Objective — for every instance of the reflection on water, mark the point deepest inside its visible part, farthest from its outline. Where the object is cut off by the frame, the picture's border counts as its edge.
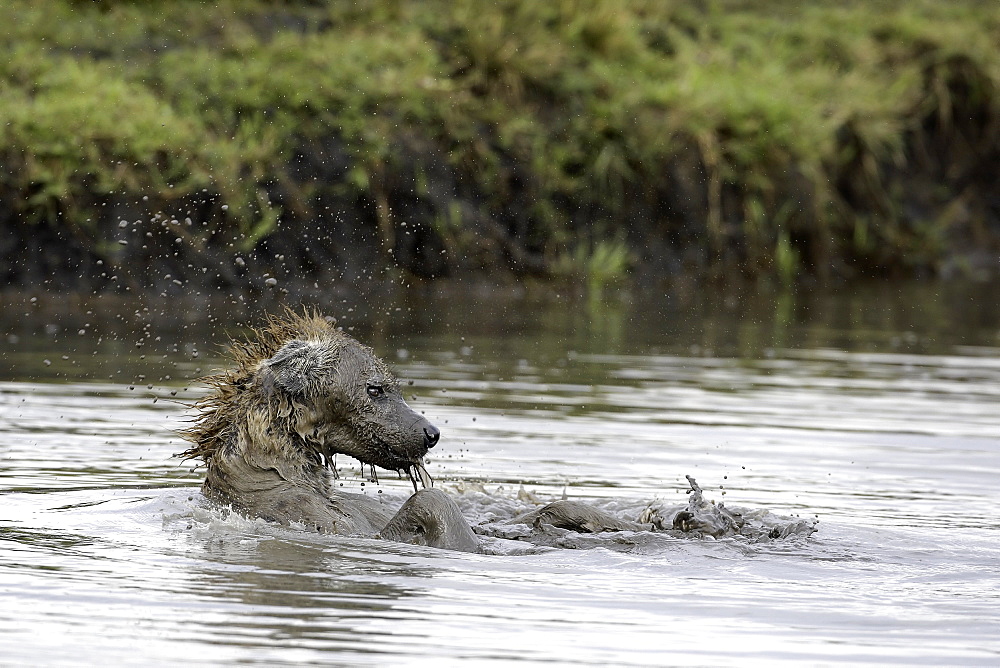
(875, 412)
(152, 339)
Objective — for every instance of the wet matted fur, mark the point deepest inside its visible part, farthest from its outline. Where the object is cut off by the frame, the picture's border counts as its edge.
(298, 393)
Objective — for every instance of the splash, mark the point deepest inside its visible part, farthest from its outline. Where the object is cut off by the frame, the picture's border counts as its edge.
(617, 524)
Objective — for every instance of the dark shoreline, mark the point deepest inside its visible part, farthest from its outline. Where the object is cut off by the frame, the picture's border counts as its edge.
(308, 145)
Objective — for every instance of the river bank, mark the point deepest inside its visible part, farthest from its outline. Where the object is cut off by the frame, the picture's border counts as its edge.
(252, 145)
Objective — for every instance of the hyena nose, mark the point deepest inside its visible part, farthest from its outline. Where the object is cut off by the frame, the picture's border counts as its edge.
(431, 435)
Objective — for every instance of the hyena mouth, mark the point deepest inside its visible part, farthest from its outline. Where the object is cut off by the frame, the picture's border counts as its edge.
(414, 468)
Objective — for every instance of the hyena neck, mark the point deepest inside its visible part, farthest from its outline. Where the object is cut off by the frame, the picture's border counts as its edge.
(293, 496)
(248, 473)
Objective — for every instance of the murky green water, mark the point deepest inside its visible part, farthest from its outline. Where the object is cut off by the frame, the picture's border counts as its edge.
(875, 410)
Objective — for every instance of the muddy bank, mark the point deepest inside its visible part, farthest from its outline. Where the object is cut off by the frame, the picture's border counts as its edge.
(293, 148)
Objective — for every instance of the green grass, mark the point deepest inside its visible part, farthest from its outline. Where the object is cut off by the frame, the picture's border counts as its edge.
(769, 136)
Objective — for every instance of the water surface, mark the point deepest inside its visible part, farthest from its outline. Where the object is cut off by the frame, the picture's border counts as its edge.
(874, 413)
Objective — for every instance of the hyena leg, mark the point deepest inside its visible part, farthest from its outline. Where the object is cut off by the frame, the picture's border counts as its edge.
(431, 517)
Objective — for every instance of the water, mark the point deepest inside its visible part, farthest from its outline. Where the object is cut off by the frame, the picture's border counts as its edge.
(875, 413)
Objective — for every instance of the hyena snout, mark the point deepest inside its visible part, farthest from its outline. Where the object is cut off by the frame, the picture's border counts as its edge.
(417, 434)
(431, 436)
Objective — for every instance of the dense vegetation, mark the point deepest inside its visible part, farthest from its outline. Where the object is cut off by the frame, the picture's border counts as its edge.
(177, 143)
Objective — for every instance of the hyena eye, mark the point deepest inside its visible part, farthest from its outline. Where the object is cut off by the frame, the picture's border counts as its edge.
(375, 391)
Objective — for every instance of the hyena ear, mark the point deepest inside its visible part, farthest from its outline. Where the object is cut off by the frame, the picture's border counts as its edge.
(294, 368)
